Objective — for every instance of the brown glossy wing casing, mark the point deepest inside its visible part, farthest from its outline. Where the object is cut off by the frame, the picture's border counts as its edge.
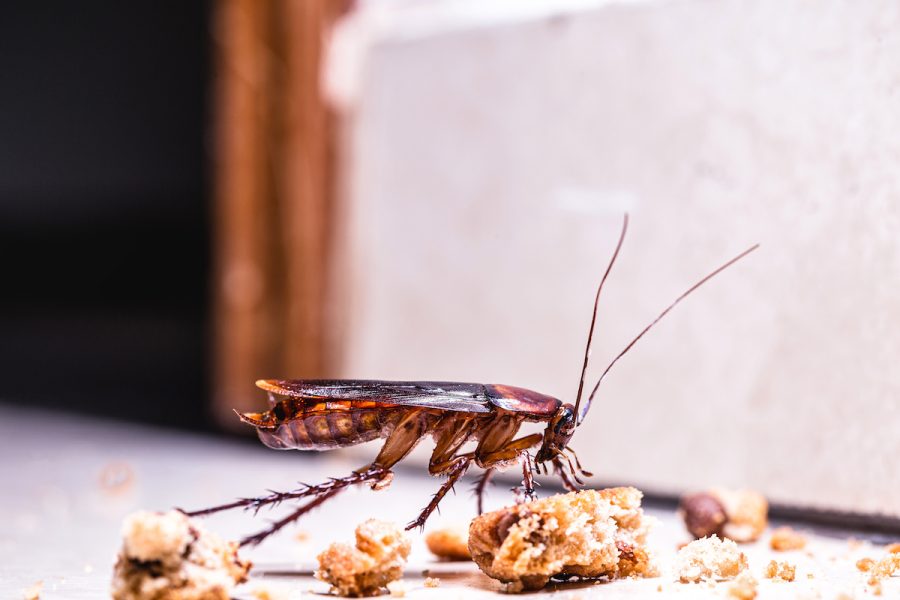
(444, 395)
(520, 400)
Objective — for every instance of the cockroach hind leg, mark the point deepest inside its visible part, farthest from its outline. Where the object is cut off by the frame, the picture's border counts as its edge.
(378, 474)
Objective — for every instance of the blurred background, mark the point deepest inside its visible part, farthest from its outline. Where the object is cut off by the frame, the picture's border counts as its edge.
(197, 195)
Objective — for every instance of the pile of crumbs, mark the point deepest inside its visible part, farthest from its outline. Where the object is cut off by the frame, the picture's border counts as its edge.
(374, 564)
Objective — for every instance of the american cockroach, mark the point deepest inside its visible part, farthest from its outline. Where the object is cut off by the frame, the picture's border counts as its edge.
(325, 414)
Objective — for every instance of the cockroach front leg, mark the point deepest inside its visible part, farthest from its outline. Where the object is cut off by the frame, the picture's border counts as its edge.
(528, 477)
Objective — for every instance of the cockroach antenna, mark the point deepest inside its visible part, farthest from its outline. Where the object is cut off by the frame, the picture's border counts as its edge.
(587, 349)
(684, 295)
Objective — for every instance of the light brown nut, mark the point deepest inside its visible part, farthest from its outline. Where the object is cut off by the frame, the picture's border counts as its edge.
(449, 543)
(785, 538)
(587, 534)
(168, 555)
(703, 514)
(739, 515)
(366, 570)
(709, 559)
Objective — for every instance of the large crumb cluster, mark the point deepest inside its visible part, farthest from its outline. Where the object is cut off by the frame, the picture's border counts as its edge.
(366, 570)
(449, 543)
(167, 556)
(888, 566)
(785, 538)
(589, 533)
(710, 559)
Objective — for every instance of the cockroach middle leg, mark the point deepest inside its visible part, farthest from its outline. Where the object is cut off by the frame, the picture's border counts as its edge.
(481, 486)
(453, 474)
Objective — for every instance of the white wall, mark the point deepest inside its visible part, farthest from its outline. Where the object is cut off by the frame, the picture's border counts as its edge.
(487, 162)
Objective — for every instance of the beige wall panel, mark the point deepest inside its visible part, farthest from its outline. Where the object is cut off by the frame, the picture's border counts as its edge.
(487, 163)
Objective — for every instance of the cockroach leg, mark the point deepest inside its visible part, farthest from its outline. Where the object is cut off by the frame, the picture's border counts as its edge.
(578, 463)
(528, 477)
(453, 474)
(560, 468)
(481, 486)
(375, 474)
(256, 538)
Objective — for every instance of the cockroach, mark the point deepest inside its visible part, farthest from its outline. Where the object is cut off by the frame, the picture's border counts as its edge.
(320, 414)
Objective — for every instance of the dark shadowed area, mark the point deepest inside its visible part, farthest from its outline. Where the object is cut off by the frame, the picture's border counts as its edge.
(103, 208)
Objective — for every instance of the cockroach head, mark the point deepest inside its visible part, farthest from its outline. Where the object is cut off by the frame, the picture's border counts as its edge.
(557, 434)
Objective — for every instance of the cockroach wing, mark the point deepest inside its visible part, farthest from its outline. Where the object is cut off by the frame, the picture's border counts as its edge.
(443, 395)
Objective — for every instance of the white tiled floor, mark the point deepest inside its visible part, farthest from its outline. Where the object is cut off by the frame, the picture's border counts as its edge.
(61, 526)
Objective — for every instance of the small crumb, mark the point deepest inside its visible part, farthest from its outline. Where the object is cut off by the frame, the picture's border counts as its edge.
(659, 588)
(785, 538)
(265, 593)
(893, 548)
(432, 582)
(376, 561)
(301, 536)
(710, 559)
(844, 596)
(449, 543)
(865, 564)
(854, 543)
(876, 588)
(34, 592)
(810, 576)
(744, 587)
(884, 568)
(397, 589)
(780, 571)
(116, 478)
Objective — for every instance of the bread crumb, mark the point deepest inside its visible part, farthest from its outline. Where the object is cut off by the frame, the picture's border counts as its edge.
(376, 561)
(116, 478)
(432, 582)
(34, 591)
(659, 588)
(591, 533)
(785, 538)
(893, 548)
(449, 543)
(782, 571)
(709, 559)
(884, 568)
(168, 555)
(265, 593)
(397, 589)
(302, 536)
(844, 596)
(865, 564)
(744, 586)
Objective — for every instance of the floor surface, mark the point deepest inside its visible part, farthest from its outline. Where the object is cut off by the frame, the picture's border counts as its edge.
(68, 481)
